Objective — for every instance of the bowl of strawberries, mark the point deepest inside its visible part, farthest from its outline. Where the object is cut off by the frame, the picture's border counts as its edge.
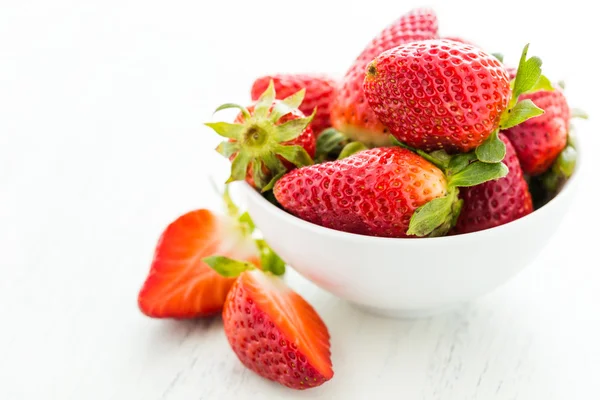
(429, 175)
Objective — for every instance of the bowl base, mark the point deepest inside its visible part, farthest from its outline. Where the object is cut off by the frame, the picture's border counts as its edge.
(406, 313)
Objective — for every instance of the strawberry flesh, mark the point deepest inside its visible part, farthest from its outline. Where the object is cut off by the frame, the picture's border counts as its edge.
(276, 333)
(180, 284)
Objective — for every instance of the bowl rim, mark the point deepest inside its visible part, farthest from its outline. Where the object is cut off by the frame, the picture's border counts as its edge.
(321, 230)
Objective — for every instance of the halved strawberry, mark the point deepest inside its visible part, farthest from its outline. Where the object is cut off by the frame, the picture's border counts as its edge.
(180, 284)
(273, 330)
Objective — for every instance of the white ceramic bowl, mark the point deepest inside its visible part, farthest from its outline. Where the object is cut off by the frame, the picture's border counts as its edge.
(408, 277)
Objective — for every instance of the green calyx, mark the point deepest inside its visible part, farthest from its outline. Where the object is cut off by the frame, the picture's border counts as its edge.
(228, 267)
(529, 79)
(270, 262)
(330, 144)
(258, 142)
(438, 216)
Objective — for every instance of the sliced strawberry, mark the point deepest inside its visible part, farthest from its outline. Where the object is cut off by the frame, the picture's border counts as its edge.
(180, 284)
(276, 333)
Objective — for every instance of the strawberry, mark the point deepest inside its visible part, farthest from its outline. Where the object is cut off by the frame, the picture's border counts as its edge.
(350, 112)
(438, 94)
(319, 94)
(273, 330)
(539, 141)
(496, 202)
(267, 139)
(389, 192)
(180, 284)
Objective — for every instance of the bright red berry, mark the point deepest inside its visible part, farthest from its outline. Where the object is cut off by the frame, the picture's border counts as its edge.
(276, 333)
(539, 140)
(319, 94)
(180, 284)
(374, 192)
(497, 202)
(350, 112)
(438, 94)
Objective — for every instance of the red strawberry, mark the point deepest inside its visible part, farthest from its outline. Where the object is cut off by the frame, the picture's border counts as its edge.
(381, 192)
(350, 112)
(180, 284)
(538, 141)
(319, 94)
(265, 136)
(276, 333)
(498, 202)
(438, 94)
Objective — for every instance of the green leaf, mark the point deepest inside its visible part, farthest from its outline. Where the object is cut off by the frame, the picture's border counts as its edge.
(351, 148)
(239, 167)
(579, 113)
(499, 56)
(460, 161)
(269, 260)
(565, 163)
(435, 214)
(439, 157)
(228, 267)
(247, 220)
(287, 105)
(477, 173)
(520, 113)
(260, 179)
(528, 73)
(226, 106)
(492, 150)
(265, 101)
(227, 148)
(395, 142)
(232, 209)
(542, 84)
(292, 128)
(272, 182)
(273, 163)
(562, 84)
(225, 129)
(329, 145)
(294, 154)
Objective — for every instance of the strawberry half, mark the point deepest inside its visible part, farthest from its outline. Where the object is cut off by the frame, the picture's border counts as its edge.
(180, 284)
(273, 330)
(267, 139)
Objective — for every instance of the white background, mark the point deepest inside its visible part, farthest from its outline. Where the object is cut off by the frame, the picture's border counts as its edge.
(102, 144)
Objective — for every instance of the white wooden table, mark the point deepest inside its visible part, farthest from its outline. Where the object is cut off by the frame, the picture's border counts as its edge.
(101, 145)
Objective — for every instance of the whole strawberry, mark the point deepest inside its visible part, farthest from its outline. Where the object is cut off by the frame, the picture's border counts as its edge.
(267, 139)
(389, 192)
(319, 94)
(538, 141)
(350, 112)
(497, 202)
(438, 94)
(272, 330)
